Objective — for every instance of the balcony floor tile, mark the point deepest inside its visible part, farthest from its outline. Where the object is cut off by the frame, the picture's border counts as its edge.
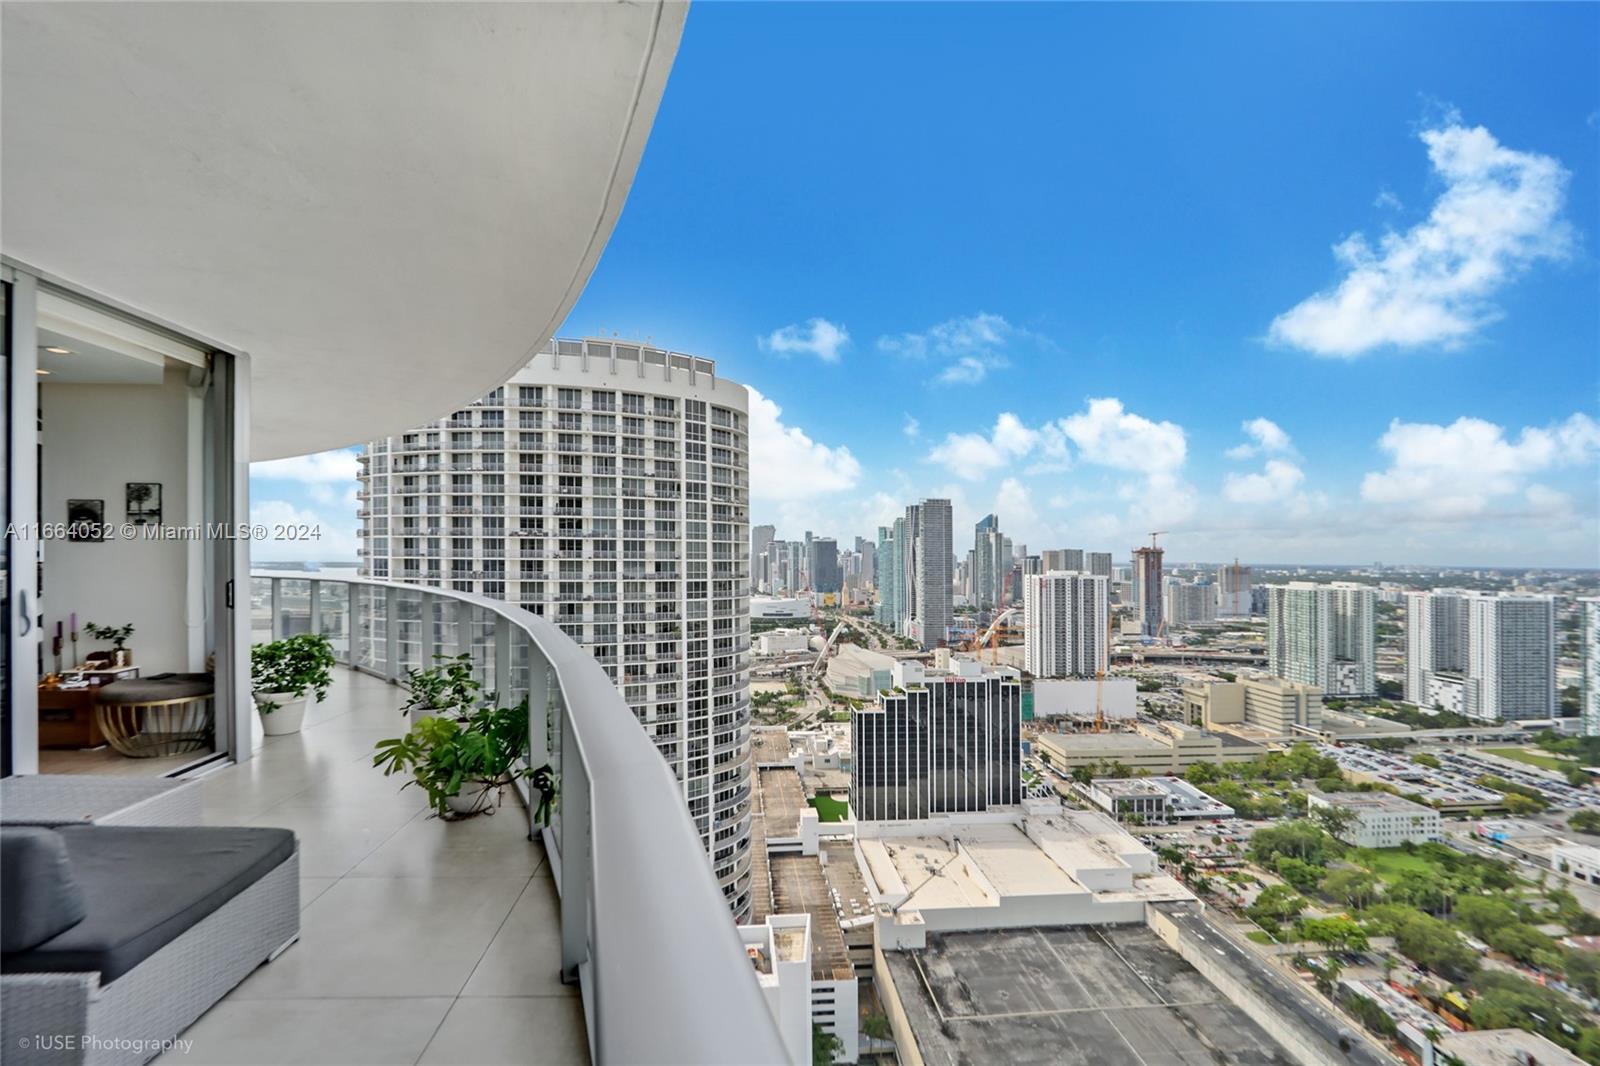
(312, 1031)
(403, 916)
(544, 1031)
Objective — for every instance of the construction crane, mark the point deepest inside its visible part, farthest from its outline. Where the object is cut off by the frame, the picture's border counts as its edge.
(1158, 533)
(1100, 677)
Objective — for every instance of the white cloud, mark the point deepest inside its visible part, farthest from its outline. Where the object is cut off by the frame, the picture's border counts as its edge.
(332, 538)
(1459, 471)
(317, 468)
(1266, 438)
(969, 347)
(973, 456)
(1108, 435)
(1277, 483)
(911, 427)
(786, 464)
(1434, 283)
(1387, 200)
(817, 337)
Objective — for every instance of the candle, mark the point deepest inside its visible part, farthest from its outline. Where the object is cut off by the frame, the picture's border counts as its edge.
(58, 630)
(74, 625)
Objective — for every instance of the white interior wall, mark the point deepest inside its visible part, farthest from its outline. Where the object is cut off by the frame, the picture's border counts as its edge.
(97, 438)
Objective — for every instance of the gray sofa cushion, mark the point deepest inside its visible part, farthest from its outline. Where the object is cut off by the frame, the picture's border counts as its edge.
(144, 886)
(155, 689)
(38, 893)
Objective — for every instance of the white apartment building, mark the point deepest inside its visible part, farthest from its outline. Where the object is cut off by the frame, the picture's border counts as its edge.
(1381, 820)
(1511, 657)
(1590, 722)
(605, 487)
(1485, 656)
(1323, 635)
(1436, 640)
(1064, 619)
(1189, 602)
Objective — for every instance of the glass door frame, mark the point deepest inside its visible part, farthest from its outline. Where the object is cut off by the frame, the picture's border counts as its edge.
(225, 566)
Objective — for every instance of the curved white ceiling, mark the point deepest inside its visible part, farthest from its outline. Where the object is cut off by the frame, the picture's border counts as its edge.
(389, 206)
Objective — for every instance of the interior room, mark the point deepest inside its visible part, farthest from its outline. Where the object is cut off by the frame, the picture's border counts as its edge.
(126, 677)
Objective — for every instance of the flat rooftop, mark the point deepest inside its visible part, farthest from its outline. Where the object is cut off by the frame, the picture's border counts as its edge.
(783, 797)
(1084, 996)
(800, 887)
(1371, 801)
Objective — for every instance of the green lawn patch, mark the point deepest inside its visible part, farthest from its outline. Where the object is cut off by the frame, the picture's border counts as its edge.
(830, 809)
(1532, 758)
(1256, 936)
(1390, 863)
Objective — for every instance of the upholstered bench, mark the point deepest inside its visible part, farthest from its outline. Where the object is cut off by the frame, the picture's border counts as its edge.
(166, 714)
(116, 938)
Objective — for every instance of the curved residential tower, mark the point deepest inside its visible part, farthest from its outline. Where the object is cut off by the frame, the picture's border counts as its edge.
(606, 487)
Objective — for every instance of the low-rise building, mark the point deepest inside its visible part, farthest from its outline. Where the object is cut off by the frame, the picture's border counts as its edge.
(1579, 862)
(1153, 747)
(801, 987)
(773, 607)
(1503, 1047)
(1272, 704)
(783, 642)
(1044, 865)
(1116, 697)
(1154, 800)
(859, 672)
(1381, 819)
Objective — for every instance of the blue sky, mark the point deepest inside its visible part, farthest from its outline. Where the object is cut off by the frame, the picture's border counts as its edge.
(1295, 282)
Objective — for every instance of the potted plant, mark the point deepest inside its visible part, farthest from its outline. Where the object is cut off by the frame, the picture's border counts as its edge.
(447, 689)
(283, 672)
(461, 762)
(118, 636)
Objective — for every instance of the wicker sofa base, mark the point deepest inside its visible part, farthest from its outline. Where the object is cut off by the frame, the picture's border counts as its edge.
(68, 1019)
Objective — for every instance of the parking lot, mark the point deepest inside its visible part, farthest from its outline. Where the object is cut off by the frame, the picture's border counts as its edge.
(1077, 996)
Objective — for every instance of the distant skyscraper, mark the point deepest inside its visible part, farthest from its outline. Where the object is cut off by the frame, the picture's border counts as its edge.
(1511, 657)
(991, 564)
(1069, 559)
(888, 611)
(941, 743)
(1100, 564)
(928, 563)
(1590, 708)
(1485, 656)
(1436, 640)
(1065, 614)
(1323, 635)
(1147, 589)
(1189, 602)
(826, 574)
(760, 538)
(1233, 591)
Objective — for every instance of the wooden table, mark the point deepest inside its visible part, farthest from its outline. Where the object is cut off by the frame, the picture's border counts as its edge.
(66, 715)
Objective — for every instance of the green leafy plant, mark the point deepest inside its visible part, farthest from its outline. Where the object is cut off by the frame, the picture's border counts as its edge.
(117, 635)
(448, 688)
(295, 665)
(443, 755)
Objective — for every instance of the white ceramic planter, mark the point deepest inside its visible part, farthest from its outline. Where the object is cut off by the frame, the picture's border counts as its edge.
(286, 717)
(418, 714)
(472, 798)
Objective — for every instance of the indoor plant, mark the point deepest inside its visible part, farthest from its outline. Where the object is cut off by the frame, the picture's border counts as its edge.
(118, 636)
(447, 689)
(462, 761)
(283, 672)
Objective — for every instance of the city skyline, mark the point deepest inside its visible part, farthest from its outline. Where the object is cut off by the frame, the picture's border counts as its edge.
(1066, 352)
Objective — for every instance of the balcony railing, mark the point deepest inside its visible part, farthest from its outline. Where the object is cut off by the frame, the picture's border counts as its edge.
(645, 929)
